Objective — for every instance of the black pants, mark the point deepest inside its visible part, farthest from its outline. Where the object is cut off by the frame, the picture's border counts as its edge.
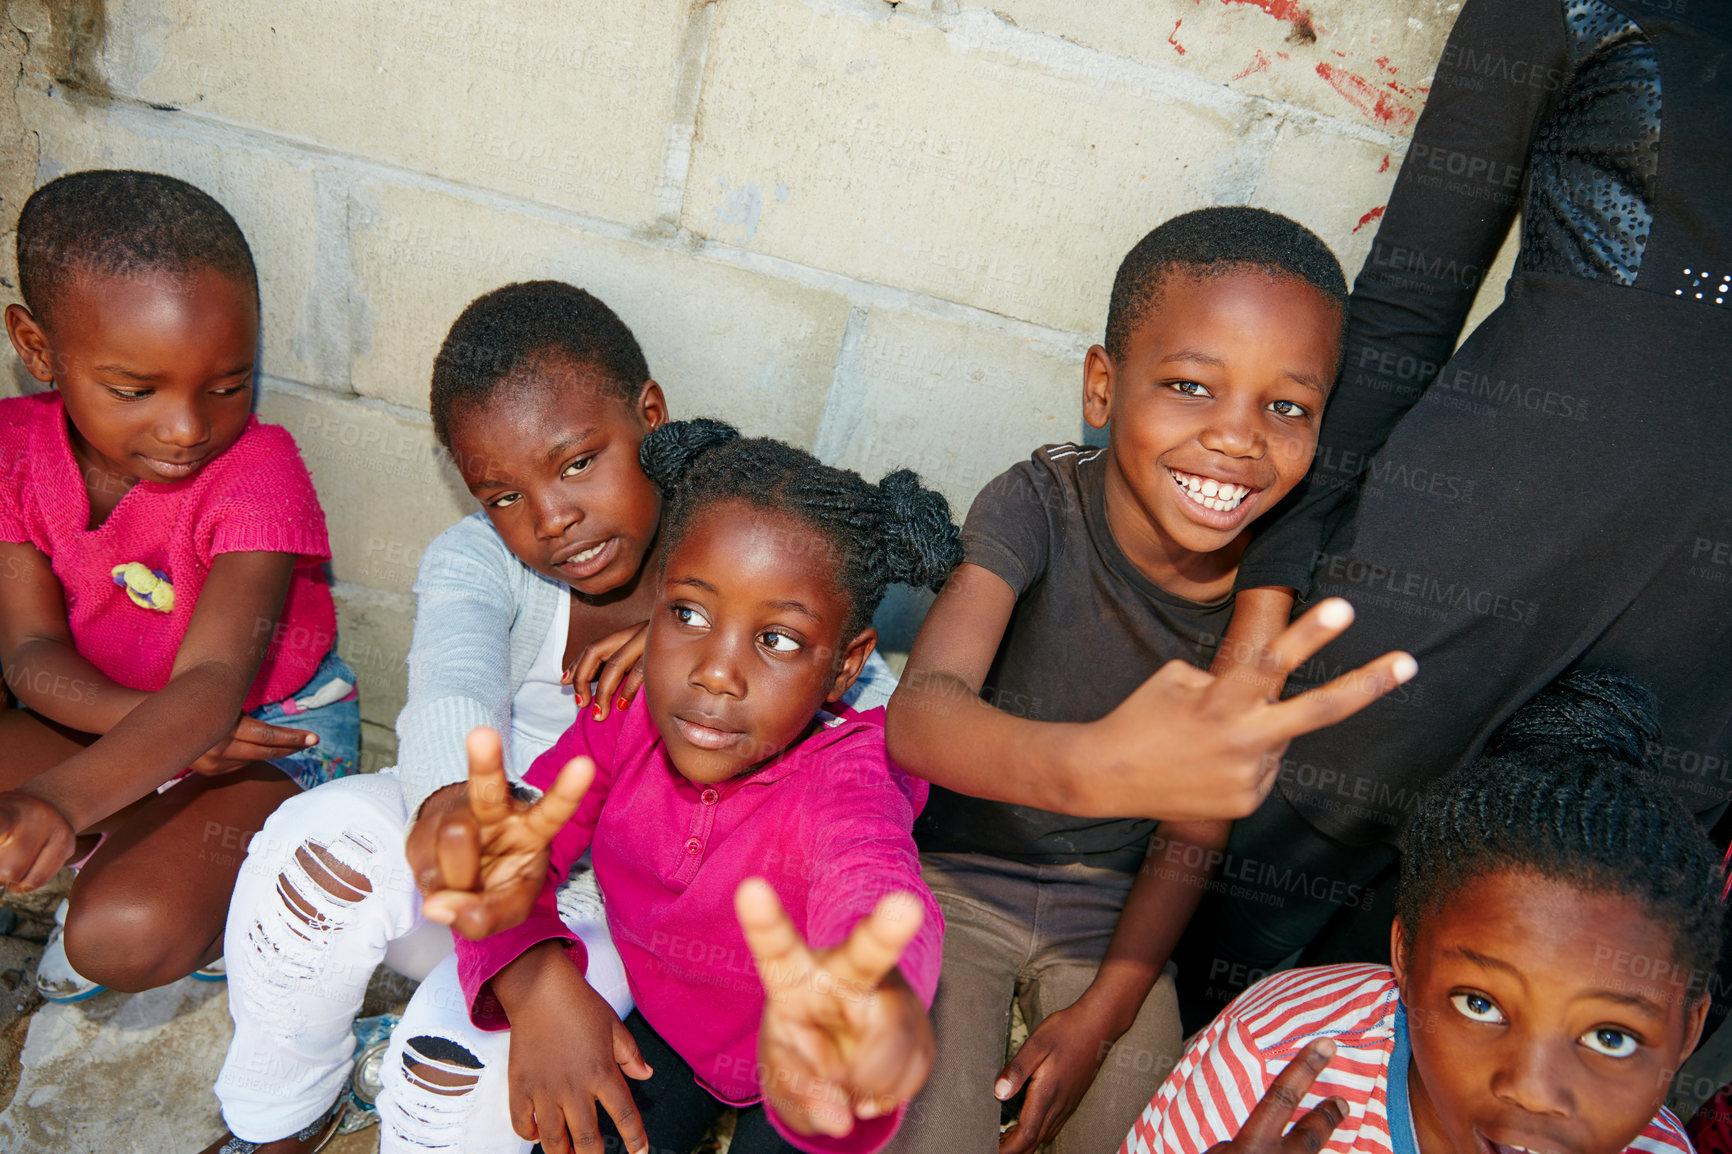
(677, 1112)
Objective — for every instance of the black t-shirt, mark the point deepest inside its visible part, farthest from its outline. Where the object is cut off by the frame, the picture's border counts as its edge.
(1088, 628)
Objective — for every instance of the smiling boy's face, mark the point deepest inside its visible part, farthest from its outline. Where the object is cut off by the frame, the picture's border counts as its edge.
(552, 457)
(1214, 411)
(746, 640)
(1542, 1017)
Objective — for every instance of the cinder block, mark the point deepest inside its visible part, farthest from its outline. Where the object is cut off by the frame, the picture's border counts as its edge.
(565, 103)
(890, 151)
(722, 341)
(373, 634)
(956, 404)
(386, 487)
(272, 196)
(1367, 63)
(1334, 185)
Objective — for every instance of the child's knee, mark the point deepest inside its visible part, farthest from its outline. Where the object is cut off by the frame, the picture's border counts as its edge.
(430, 1095)
(127, 944)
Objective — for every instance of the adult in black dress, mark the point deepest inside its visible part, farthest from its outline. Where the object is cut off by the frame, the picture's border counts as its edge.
(1559, 493)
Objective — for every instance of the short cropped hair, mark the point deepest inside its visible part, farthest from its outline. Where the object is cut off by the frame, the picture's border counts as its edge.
(120, 223)
(1211, 241)
(505, 329)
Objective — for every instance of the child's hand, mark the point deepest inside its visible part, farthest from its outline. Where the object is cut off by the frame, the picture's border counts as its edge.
(491, 854)
(1233, 735)
(35, 841)
(568, 1050)
(843, 1036)
(252, 740)
(615, 664)
(1058, 1063)
(1261, 1133)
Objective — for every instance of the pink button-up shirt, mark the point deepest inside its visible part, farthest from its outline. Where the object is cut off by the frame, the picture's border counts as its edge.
(827, 824)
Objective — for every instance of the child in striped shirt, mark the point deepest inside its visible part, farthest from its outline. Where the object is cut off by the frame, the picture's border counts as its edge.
(1557, 919)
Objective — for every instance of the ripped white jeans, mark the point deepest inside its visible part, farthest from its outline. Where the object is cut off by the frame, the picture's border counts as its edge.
(324, 897)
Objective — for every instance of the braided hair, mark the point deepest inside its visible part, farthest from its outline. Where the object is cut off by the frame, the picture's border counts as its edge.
(895, 531)
(1209, 242)
(1566, 790)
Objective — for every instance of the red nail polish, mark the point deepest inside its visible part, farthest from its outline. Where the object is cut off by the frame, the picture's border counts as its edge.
(620, 704)
(597, 713)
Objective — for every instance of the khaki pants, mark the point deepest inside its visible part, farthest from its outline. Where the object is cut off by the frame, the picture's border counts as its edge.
(1034, 934)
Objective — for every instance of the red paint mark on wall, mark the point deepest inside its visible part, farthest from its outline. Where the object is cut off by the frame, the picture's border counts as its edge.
(1374, 214)
(1259, 63)
(1289, 12)
(1374, 102)
(1383, 63)
(1384, 167)
(1173, 38)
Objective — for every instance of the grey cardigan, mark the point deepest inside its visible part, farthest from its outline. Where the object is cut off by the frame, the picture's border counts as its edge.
(481, 616)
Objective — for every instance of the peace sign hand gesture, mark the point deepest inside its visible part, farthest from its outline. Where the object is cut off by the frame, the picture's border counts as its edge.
(1231, 732)
(843, 1035)
(491, 853)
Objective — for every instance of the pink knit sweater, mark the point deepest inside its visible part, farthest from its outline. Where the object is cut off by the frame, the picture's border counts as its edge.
(827, 824)
(255, 497)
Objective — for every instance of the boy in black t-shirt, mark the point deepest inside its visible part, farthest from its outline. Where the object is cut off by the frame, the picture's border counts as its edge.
(1087, 570)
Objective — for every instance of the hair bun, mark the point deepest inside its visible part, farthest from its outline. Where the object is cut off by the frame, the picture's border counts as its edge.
(921, 542)
(1587, 709)
(669, 452)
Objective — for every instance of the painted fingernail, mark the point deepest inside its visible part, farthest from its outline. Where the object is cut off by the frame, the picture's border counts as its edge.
(312, 739)
(620, 704)
(1405, 668)
(596, 713)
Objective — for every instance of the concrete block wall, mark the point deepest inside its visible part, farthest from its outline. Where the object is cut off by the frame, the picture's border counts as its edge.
(885, 232)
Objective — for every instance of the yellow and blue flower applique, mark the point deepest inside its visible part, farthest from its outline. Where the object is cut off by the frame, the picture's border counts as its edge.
(148, 588)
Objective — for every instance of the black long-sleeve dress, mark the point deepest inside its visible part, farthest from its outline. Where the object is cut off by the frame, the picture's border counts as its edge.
(1560, 491)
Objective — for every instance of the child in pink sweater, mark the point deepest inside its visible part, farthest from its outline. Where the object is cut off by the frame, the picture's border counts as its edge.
(730, 769)
(164, 612)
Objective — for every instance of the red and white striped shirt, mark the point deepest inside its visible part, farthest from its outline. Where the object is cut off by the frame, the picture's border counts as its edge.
(1227, 1068)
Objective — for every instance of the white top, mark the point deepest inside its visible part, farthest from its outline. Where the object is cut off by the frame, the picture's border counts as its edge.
(542, 708)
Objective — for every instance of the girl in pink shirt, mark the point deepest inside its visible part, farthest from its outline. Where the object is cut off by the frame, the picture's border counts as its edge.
(735, 765)
(164, 603)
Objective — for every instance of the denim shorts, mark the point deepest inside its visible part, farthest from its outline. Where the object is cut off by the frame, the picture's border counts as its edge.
(325, 707)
